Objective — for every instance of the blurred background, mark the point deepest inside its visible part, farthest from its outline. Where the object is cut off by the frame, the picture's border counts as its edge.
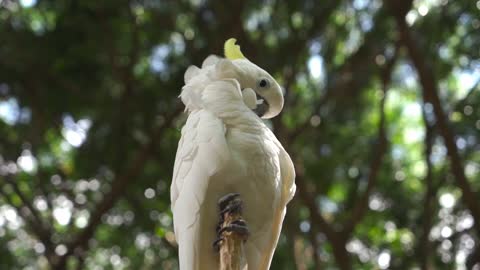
(382, 120)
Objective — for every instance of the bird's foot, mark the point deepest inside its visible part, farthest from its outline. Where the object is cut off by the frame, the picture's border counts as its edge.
(238, 227)
(231, 221)
(229, 202)
(217, 243)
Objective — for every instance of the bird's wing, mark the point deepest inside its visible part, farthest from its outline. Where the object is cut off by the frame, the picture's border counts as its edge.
(201, 152)
(287, 171)
(287, 174)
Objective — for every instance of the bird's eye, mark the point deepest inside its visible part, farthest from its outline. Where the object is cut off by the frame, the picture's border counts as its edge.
(263, 83)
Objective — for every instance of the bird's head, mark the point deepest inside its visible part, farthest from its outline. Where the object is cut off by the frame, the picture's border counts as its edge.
(268, 96)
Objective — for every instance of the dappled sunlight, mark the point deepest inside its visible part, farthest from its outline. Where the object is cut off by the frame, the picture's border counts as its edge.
(62, 210)
(466, 80)
(447, 200)
(381, 118)
(305, 226)
(383, 260)
(40, 203)
(75, 133)
(27, 162)
(28, 3)
(315, 66)
(159, 55)
(328, 206)
(9, 111)
(9, 218)
(377, 203)
(149, 193)
(81, 218)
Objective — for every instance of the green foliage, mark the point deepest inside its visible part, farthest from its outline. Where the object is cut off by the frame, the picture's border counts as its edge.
(90, 119)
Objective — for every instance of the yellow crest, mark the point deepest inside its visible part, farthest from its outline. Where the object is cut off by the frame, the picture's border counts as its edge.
(232, 51)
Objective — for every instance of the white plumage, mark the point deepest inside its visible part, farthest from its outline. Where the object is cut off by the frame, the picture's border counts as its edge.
(225, 147)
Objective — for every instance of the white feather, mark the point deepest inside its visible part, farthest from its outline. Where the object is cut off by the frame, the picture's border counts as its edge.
(191, 72)
(201, 153)
(210, 60)
(249, 98)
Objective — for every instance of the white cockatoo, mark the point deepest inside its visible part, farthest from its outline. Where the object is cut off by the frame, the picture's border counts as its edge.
(226, 148)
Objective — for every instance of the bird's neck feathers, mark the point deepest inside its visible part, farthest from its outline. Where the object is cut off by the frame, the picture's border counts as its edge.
(224, 99)
(215, 87)
(197, 80)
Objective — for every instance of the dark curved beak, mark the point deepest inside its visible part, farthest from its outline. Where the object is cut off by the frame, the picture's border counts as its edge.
(262, 106)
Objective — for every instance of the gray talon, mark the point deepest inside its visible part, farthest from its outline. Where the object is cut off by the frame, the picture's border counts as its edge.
(232, 204)
(232, 207)
(239, 222)
(240, 229)
(216, 244)
(225, 200)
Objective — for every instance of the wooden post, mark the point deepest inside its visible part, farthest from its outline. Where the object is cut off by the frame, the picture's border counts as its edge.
(232, 254)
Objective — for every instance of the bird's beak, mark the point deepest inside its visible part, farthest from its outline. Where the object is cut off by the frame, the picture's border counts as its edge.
(262, 106)
(274, 102)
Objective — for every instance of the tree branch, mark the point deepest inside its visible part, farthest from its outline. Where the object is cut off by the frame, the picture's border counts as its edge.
(33, 225)
(470, 92)
(316, 248)
(430, 95)
(119, 184)
(349, 78)
(309, 201)
(362, 203)
(335, 238)
(28, 204)
(299, 253)
(424, 246)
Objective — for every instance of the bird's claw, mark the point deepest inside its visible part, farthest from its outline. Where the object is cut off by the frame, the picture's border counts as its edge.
(238, 226)
(216, 243)
(230, 204)
(224, 201)
(233, 207)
